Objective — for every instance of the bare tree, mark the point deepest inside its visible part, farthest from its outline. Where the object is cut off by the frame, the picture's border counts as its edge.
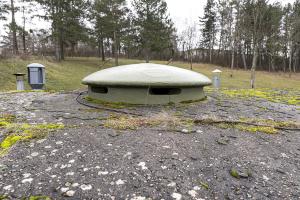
(190, 39)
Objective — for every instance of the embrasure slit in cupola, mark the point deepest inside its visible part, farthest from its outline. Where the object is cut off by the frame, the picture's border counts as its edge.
(165, 91)
(102, 90)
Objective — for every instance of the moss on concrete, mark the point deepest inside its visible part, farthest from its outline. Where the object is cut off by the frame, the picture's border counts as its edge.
(107, 104)
(164, 119)
(38, 198)
(18, 132)
(289, 97)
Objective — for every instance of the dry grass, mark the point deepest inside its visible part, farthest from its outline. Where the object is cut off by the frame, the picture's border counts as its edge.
(124, 122)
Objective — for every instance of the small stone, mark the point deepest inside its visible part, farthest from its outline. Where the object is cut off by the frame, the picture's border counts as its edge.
(196, 188)
(41, 141)
(48, 169)
(70, 174)
(59, 142)
(185, 131)
(86, 187)
(192, 193)
(26, 175)
(28, 180)
(138, 198)
(71, 161)
(177, 196)
(128, 154)
(199, 131)
(265, 178)
(68, 184)
(102, 173)
(172, 184)
(34, 154)
(283, 155)
(8, 187)
(64, 189)
(143, 165)
(85, 169)
(75, 185)
(69, 193)
(120, 182)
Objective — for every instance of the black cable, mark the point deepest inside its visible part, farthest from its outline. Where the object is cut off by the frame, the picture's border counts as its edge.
(101, 107)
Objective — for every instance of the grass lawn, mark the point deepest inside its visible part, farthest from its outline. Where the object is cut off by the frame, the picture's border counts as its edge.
(67, 75)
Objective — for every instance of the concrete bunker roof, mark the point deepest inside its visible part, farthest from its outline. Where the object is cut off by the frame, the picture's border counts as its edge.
(146, 74)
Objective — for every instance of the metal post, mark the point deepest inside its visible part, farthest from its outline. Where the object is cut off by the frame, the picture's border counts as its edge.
(217, 78)
(20, 81)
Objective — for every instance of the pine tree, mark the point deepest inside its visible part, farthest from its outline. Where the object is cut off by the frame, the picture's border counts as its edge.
(209, 27)
(13, 27)
(109, 18)
(65, 17)
(3, 9)
(154, 26)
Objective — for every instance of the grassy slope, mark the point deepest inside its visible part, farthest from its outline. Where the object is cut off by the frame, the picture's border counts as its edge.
(68, 74)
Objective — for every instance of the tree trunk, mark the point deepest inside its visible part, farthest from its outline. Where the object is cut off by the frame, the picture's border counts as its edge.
(253, 68)
(244, 57)
(116, 49)
(232, 62)
(102, 49)
(191, 59)
(61, 45)
(23, 31)
(14, 28)
(291, 59)
(296, 59)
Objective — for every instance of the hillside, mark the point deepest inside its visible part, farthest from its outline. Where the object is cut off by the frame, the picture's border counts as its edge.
(67, 75)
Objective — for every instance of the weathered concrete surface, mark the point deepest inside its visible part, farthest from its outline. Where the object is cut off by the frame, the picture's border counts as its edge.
(88, 161)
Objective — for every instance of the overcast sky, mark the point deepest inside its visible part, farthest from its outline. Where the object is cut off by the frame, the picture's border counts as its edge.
(183, 12)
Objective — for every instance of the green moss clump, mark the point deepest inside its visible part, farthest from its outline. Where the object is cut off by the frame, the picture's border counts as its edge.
(4, 124)
(23, 132)
(107, 104)
(289, 97)
(10, 141)
(254, 129)
(4, 197)
(6, 120)
(204, 185)
(37, 198)
(234, 173)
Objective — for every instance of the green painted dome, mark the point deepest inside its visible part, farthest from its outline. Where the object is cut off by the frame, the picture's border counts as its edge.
(146, 74)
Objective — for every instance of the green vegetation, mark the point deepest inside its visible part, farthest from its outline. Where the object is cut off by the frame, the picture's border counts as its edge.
(16, 132)
(3, 197)
(251, 125)
(234, 173)
(204, 185)
(38, 198)
(290, 97)
(108, 104)
(125, 122)
(67, 75)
